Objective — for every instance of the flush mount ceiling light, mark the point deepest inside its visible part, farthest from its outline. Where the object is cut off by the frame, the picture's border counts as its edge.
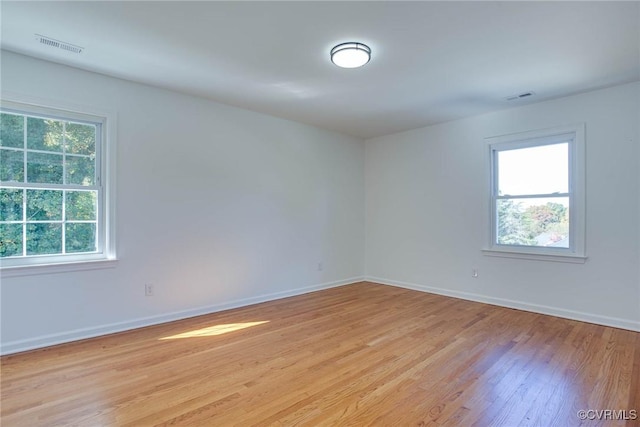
(350, 55)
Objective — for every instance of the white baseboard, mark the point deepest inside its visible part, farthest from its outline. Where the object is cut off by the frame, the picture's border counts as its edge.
(615, 322)
(84, 333)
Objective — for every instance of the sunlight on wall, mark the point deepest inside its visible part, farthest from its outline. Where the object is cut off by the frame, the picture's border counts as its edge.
(215, 330)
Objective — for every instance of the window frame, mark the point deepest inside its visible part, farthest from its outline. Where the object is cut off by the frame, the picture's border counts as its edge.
(105, 256)
(575, 136)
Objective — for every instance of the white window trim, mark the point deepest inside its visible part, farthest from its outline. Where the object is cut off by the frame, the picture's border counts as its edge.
(107, 158)
(576, 253)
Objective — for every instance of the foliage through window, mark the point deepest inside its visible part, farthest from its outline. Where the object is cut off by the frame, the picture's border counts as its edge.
(532, 203)
(537, 193)
(51, 198)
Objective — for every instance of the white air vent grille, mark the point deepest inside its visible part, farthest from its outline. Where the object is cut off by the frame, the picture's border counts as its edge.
(520, 96)
(48, 41)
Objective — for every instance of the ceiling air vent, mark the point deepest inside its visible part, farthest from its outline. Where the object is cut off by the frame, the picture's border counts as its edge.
(48, 41)
(520, 96)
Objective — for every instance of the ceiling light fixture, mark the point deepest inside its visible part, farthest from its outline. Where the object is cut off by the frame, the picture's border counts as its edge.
(350, 55)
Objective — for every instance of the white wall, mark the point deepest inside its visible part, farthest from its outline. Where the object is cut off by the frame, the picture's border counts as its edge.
(220, 207)
(216, 206)
(425, 223)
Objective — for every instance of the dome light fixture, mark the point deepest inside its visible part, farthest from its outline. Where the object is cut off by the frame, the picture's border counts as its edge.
(350, 55)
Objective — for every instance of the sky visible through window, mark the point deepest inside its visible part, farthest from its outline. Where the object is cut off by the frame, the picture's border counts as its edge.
(536, 170)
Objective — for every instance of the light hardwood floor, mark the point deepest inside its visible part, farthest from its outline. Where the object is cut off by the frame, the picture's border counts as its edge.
(362, 354)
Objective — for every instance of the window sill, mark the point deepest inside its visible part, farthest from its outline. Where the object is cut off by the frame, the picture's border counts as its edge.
(573, 259)
(32, 270)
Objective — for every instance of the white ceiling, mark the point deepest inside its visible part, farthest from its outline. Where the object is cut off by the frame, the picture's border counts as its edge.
(431, 61)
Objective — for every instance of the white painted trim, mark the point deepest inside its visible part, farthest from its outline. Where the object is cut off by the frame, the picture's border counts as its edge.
(95, 331)
(577, 192)
(505, 253)
(615, 322)
(106, 156)
(62, 267)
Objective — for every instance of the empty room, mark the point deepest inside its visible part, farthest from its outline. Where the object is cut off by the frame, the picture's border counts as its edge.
(319, 213)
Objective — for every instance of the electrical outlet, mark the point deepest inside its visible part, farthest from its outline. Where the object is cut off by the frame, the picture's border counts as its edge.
(320, 266)
(148, 289)
(474, 273)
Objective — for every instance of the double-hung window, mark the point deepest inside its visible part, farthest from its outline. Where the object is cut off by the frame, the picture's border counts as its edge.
(52, 187)
(537, 206)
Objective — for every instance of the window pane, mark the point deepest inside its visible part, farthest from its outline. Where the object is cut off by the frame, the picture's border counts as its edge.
(80, 237)
(44, 239)
(58, 212)
(11, 130)
(536, 170)
(81, 205)
(10, 204)
(43, 134)
(81, 138)
(10, 240)
(80, 170)
(45, 168)
(44, 205)
(11, 165)
(542, 222)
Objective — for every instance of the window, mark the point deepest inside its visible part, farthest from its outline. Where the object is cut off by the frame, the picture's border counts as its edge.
(537, 195)
(52, 187)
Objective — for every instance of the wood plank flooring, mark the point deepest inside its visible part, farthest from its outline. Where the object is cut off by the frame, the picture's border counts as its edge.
(358, 355)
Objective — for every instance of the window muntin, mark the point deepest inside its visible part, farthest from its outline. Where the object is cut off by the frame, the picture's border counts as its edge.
(51, 200)
(537, 194)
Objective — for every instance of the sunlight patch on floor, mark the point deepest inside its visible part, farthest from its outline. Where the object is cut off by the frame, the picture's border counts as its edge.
(215, 330)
